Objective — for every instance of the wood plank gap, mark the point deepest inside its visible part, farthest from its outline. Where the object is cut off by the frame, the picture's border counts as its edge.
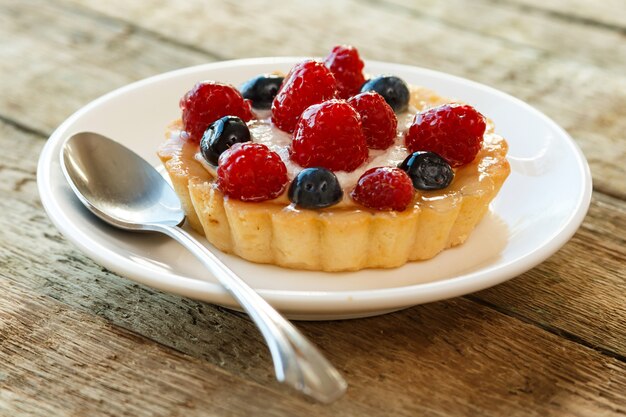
(64, 314)
(414, 13)
(607, 192)
(140, 30)
(550, 329)
(122, 328)
(88, 12)
(557, 15)
(40, 134)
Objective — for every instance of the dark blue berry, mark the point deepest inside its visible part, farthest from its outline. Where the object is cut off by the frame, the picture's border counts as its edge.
(393, 89)
(261, 90)
(221, 135)
(427, 170)
(315, 188)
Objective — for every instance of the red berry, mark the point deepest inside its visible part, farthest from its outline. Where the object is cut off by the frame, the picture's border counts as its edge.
(377, 118)
(251, 172)
(208, 101)
(329, 135)
(453, 131)
(308, 82)
(384, 188)
(347, 67)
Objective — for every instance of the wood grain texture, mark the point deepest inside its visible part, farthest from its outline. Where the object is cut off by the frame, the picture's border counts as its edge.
(568, 292)
(57, 361)
(608, 13)
(433, 361)
(560, 38)
(561, 79)
(66, 60)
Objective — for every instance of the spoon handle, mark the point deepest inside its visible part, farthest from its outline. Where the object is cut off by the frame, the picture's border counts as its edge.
(297, 362)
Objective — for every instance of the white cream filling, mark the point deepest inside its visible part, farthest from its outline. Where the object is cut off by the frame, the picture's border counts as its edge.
(263, 131)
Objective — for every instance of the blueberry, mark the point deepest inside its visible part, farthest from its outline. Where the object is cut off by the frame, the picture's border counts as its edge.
(261, 90)
(315, 188)
(221, 135)
(427, 170)
(393, 89)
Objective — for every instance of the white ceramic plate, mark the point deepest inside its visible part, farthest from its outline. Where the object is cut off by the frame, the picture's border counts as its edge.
(539, 208)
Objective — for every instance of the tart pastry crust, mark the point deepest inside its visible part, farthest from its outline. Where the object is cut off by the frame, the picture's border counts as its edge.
(346, 237)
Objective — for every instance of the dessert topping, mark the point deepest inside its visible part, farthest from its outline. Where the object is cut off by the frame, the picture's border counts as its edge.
(427, 170)
(329, 135)
(345, 64)
(393, 89)
(206, 102)
(384, 188)
(308, 82)
(221, 135)
(454, 131)
(261, 90)
(251, 172)
(377, 118)
(315, 188)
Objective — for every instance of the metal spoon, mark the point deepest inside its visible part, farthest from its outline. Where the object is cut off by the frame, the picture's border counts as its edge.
(125, 191)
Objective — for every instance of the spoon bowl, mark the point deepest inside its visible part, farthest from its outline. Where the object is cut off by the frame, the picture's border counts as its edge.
(117, 184)
(122, 189)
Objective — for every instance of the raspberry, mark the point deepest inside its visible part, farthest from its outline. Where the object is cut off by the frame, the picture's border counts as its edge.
(329, 135)
(251, 172)
(453, 131)
(208, 101)
(345, 64)
(384, 188)
(308, 82)
(377, 118)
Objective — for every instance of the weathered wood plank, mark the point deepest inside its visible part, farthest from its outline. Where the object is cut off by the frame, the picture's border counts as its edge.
(610, 13)
(435, 360)
(52, 63)
(504, 21)
(580, 290)
(596, 118)
(57, 361)
(456, 340)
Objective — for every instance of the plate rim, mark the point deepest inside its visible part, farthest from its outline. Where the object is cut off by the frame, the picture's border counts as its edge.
(402, 296)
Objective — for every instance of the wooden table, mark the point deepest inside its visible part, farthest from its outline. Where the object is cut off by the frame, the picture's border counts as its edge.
(76, 339)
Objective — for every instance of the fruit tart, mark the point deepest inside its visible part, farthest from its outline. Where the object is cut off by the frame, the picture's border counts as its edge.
(327, 169)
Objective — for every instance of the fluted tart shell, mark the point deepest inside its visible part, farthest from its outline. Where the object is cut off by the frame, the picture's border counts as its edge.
(347, 237)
